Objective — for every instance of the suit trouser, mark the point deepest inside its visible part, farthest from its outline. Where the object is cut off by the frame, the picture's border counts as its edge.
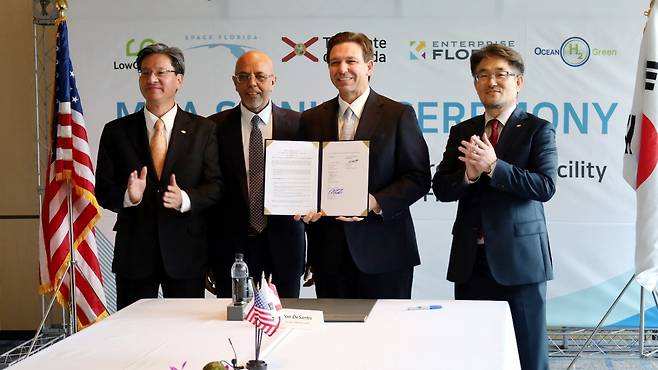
(527, 304)
(131, 290)
(348, 281)
(258, 258)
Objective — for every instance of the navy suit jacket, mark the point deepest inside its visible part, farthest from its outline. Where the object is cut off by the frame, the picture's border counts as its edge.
(230, 218)
(149, 232)
(399, 175)
(508, 205)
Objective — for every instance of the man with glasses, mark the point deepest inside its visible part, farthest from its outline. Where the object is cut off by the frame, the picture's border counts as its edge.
(158, 170)
(371, 257)
(501, 166)
(271, 244)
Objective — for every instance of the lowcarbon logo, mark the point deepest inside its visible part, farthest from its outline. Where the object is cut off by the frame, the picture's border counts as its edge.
(133, 47)
(132, 52)
(417, 50)
(575, 51)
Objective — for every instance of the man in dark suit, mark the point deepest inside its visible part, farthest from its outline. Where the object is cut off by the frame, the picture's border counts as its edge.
(271, 244)
(501, 167)
(158, 170)
(371, 257)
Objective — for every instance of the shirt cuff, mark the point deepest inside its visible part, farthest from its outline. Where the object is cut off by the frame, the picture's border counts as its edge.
(186, 205)
(126, 201)
(469, 181)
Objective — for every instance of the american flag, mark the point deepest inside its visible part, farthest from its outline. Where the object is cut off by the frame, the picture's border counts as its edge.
(263, 312)
(70, 159)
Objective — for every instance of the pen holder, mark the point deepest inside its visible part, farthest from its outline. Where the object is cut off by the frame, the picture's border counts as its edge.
(256, 365)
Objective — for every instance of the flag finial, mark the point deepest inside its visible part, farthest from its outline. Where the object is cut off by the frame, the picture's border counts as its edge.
(648, 11)
(62, 6)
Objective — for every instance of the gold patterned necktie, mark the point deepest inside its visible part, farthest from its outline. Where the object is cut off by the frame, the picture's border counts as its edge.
(159, 147)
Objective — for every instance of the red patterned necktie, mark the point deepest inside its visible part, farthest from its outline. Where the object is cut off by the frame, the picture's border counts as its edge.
(494, 134)
(495, 131)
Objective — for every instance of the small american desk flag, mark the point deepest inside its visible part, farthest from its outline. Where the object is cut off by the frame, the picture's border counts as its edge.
(70, 159)
(262, 310)
(641, 156)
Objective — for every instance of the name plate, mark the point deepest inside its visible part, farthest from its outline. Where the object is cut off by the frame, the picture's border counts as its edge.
(301, 319)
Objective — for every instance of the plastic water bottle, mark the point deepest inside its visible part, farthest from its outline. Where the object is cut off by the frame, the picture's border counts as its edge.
(240, 280)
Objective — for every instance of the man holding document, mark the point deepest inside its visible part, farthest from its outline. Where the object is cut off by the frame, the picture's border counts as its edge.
(371, 256)
(273, 244)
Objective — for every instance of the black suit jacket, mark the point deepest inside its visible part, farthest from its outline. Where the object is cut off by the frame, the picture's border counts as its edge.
(148, 230)
(508, 205)
(399, 175)
(230, 218)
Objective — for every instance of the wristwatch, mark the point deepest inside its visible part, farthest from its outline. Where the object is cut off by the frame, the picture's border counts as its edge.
(492, 165)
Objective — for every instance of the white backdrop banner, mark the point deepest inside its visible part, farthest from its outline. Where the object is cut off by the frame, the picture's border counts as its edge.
(579, 76)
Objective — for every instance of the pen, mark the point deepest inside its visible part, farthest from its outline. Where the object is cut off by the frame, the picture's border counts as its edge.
(428, 307)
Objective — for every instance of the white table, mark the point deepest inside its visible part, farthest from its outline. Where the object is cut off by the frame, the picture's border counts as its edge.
(157, 334)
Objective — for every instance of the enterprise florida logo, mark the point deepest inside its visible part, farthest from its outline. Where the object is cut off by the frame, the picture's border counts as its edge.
(449, 50)
(575, 51)
(417, 50)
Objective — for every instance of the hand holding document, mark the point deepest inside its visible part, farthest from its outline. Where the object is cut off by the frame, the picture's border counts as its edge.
(291, 177)
(344, 190)
(295, 171)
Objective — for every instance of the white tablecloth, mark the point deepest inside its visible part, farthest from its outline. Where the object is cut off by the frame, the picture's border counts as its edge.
(159, 334)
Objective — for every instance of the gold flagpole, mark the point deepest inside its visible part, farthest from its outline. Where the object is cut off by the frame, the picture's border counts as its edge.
(648, 11)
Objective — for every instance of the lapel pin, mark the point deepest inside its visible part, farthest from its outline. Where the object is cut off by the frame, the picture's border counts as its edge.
(519, 125)
(183, 132)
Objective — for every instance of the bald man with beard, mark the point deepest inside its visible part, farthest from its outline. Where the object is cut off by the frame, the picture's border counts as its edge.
(271, 244)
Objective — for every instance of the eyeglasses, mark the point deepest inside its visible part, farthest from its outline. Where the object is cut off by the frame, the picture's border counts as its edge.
(158, 74)
(499, 76)
(246, 77)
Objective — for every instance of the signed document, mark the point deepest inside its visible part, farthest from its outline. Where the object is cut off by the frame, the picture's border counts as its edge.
(344, 190)
(291, 177)
(295, 170)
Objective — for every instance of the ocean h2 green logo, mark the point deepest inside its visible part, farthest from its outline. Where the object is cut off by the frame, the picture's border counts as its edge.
(575, 51)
